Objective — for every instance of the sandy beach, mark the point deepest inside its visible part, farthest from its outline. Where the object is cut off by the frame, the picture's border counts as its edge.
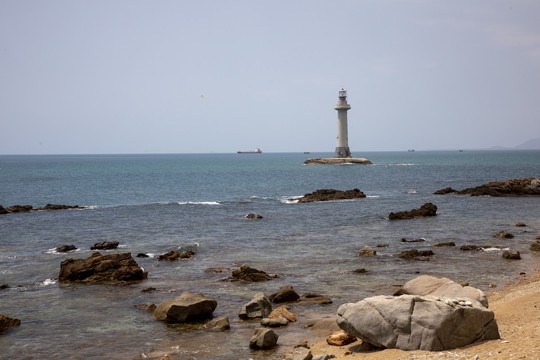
(517, 311)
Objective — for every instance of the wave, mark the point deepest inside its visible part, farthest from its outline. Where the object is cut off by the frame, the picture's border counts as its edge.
(212, 203)
(48, 282)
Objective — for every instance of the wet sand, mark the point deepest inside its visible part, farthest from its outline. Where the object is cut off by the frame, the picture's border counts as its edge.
(517, 311)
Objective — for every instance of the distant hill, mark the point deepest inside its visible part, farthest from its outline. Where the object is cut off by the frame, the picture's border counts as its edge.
(533, 144)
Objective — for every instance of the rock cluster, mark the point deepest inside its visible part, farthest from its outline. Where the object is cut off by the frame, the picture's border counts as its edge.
(512, 187)
(428, 209)
(101, 268)
(29, 208)
(175, 255)
(331, 195)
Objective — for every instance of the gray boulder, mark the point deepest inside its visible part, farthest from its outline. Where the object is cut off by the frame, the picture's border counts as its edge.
(258, 307)
(443, 288)
(274, 322)
(411, 322)
(218, 324)
(184, 308)
(263, 339)
(511, 254)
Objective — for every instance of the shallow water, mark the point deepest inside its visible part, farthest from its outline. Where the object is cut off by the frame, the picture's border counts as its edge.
(157, 203)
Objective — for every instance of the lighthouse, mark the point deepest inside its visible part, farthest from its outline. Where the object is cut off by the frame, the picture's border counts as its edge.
(342, 148)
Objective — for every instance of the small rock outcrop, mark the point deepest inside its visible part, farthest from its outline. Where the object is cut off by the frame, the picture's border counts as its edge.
(218, 324)
(428, 209)
(412, 322)
(282, 313)
(29, 208)
(277, 322)
(253, 216)
(503, 235)
(258, 307)
(175, 255)
(263, 339)
(412, 241)
(65, 248)
(415, 254)
(101, 268)
(367, 252)
(511, 255)
(185, 308)
(444, 243)
(248, 274)
(7, 322)
(105, 245)
(285, 294)
(512, 187)
(535, 246)
(331, 195)
(313, 299)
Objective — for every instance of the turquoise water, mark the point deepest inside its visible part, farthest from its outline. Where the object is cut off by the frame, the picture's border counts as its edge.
(157, 203)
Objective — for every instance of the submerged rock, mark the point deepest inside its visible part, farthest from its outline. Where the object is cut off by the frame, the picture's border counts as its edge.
(285, 294)
(218, 324)
(367, 252)
(105, 245)
(248, 274)
(185, 308)
(253, 216)
(428, 209)
(503, 235)
(511, 255)
(331, 195)
(101, 268)
(414, 254)
(65, 248)
(7, 322)
(535, 246)
(175, 255)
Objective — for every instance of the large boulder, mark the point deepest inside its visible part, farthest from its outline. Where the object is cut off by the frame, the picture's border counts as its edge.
(428, 209)
(7, 322)
(331, 195)
(101, 268)
(258, 307)
(443, 288)
(263, 339)
(185, 308)
(411, 322)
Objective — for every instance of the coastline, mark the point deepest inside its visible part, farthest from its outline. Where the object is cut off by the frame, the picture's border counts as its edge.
(517, 311)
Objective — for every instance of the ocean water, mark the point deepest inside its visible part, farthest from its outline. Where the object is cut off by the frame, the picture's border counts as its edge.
(156, 203)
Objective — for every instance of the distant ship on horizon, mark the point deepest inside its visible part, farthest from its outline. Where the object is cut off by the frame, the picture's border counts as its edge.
(256, 151)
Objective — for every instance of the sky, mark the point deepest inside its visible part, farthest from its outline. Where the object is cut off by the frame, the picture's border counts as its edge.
(132, 76)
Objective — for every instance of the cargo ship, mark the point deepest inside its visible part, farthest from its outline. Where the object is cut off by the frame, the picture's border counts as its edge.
(256, 151)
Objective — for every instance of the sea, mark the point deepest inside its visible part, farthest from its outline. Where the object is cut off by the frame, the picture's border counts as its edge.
(154, 203)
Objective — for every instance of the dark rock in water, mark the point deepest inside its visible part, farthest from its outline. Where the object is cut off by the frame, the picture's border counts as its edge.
(19, 208)
(4, 286)
(285, 294)
(218, 324)
(360, 271)
(248, 274)
(105, 245)
(2, 210)
(149, 289)
(142, 255)
(428, 209)
(175, 255)
(147, 307)
(512, 187)
(263, 339)
(535, 246)
(253, 216)
(503, 235)
(258, 307)
(445, 243)
(511, 255)
(7, 322)
(412, 241)
(313, 299)
(470, 247)
(520, 224)
(101, 268)
(367, 252)
(445, 191)
(185, 308)
(413, 254)
(331, 195)
(65, 248)
(28, 208)
(58, 207)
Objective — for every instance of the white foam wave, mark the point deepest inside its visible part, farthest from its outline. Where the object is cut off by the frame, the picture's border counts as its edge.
(48, 282)
(494, 249)
(372, 196)
(403, 164)
(212, 203)
(290, 199)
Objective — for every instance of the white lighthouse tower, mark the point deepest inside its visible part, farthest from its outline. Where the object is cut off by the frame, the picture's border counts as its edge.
(342, 148)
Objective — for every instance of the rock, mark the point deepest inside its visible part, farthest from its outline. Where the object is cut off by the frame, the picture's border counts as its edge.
(414, 254)
(445, 191)
(324, 327)
(253, 216)
(535, 246)
(248, 274)
(258, 307)
(443, 288)
(340, 338)
(7, 322)
(512, 187)
(411, 322)
(446, 243)
(285, 294)
(412, 241)
(367, 252)
(503, 235)
(428, 209)
(520, 224)
(277, 322)
(101, 268)
(147, 307)
(313, 299)
(470, 247)
(360, 271)
(218, 324)
(58, 207)
(4, 286)
(331, 195)
(142, 255)
(185, 308)
(3, 210)
(511, 255)
(282, 313)
(263, 339)
(105, 245)
(381, 245)
(324, 357)
(65, 248)
(301, 354)
(175, 255)
(337, 161)
(19, 208)
(148, 289)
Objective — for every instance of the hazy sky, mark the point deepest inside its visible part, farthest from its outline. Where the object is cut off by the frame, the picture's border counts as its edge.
(220, 76)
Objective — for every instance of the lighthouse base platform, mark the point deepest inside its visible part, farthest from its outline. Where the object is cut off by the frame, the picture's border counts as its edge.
(337, 161)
